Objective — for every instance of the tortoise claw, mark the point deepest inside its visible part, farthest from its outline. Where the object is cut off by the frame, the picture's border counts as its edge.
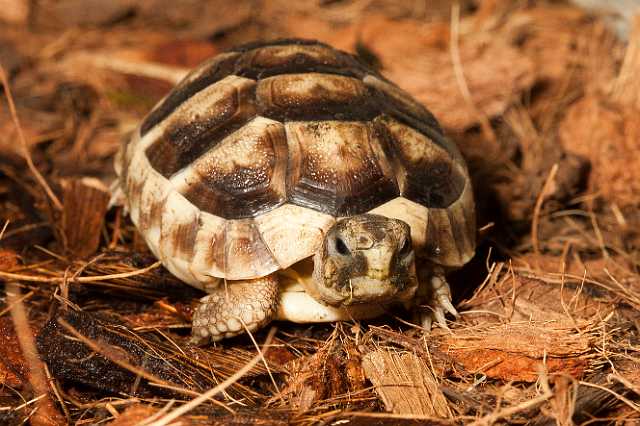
(438, 305)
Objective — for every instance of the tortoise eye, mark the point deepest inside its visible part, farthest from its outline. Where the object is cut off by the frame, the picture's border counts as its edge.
(341, 247)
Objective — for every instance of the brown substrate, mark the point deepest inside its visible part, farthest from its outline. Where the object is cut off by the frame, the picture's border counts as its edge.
(543, 101)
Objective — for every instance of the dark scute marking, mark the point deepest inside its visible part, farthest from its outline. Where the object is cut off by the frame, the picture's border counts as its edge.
(460, 239)
(272, 60)
(134, 190)
(186, 89)
(183, 238)
(403, 107)
(124, 170)
(243, 176)
(233, 206)
(150, 215)
(250, 61)
(470, 223)
(441, 246)
(277, 42)
(215, 250)
(333, 168)
(428, 175)
(434, 184)
(185, 141)
(155, 212)
(463, 228)
(342, 63)
(312, 96)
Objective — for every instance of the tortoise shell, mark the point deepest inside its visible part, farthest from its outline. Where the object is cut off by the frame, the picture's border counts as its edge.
(243, 166)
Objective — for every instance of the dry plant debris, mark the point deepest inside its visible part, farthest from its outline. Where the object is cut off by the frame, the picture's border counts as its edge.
(405, 384)
(543, 100)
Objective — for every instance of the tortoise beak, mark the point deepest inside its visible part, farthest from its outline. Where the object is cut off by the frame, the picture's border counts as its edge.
(383, 291)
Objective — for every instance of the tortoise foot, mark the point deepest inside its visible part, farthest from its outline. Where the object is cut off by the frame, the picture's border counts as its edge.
(235, 308)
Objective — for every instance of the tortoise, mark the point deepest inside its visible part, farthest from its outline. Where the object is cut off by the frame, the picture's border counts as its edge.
(288, 180)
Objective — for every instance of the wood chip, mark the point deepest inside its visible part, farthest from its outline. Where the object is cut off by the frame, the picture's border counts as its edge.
(405, 384)
(85, 204)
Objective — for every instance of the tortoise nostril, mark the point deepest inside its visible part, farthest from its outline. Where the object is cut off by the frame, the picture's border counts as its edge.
(341, 247)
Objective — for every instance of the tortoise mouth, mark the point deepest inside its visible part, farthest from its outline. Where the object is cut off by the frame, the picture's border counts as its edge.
(368, 290)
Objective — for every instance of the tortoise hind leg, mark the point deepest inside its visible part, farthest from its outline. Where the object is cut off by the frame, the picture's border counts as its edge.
(233, 308)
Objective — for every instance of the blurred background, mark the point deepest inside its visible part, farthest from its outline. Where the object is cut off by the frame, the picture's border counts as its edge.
(542, 97)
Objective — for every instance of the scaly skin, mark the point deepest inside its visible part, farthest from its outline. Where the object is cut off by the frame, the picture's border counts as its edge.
(235, 308)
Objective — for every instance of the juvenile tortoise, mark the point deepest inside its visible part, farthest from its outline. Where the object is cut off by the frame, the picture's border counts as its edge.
(290, 181)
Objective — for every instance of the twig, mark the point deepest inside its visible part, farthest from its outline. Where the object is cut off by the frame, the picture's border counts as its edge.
(145, 69)
(16, 300)
(619, 397)
(33, 278)
(625, 382)
(538, 206)
(214, 391)
(4, 228)
(264, 360)
(23, 142)
(57, 393)
(46, 412)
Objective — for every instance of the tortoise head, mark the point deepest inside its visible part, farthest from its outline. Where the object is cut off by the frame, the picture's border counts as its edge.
(365, 259)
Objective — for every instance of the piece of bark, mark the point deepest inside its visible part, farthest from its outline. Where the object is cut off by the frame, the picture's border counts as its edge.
(405, 384)
(72, 360)
(85, 204)
(519, 351)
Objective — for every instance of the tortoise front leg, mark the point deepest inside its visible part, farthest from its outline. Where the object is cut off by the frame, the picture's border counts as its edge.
(433, 297)
(233, 308)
